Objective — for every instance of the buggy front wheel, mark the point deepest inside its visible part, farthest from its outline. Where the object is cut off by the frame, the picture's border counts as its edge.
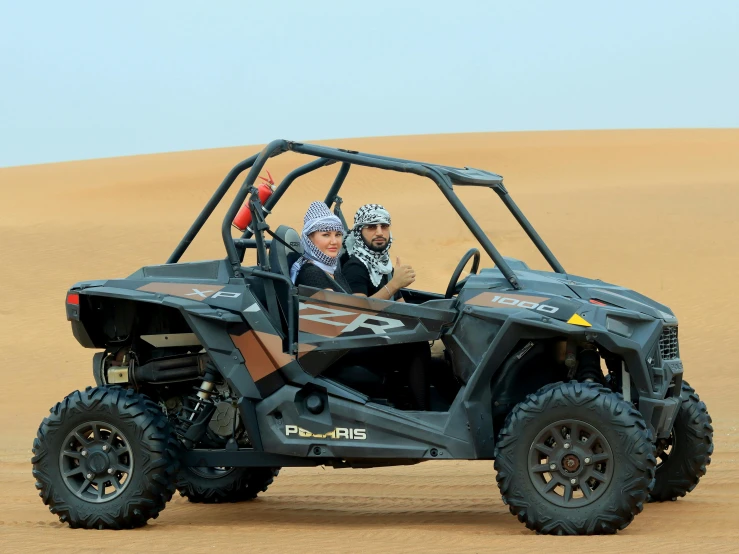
(574, 459)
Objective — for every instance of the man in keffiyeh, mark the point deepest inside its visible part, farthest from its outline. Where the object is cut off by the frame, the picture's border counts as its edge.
(369, 272)
(368, 268)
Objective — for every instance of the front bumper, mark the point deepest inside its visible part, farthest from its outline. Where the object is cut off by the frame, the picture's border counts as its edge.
(660, 414)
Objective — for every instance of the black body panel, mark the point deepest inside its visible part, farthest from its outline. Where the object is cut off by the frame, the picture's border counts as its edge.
(272, 342)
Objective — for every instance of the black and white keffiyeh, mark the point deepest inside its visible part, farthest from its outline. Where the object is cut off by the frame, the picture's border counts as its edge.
(317, 218)
(377, 263)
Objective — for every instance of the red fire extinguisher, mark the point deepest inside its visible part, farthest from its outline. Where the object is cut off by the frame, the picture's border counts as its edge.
(265, 190)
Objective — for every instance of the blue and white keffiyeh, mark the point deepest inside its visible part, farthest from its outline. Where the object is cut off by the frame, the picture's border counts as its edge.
(317, 218)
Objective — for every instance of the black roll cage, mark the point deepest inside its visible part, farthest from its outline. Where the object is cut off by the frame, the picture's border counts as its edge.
(445, 178)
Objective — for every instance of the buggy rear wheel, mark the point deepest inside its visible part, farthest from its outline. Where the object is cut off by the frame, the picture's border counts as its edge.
(105, 458)
(211, 485)
(574, 459)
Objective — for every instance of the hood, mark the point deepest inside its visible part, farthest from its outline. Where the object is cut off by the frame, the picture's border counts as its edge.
(573, 286)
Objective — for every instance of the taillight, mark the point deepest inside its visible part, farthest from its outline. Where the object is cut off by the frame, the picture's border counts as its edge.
(73, 306)
(597, 302)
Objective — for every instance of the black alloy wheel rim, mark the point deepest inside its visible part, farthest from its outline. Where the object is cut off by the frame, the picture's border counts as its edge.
(570, 463)
(96, 462)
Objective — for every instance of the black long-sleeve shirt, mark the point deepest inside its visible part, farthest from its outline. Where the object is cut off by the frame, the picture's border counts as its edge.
(357, 275)
(313, 276)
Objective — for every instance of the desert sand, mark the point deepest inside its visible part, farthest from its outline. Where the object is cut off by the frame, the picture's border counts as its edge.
(653, 210)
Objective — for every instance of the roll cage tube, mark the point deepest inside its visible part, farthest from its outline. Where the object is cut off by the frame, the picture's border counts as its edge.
(441, 180)
(332, 197)
(274, 148)
(333, 192)
(508, 202)
(444, 176)
(286, 182)
(209, 207)
(479, 234)
(530, 231)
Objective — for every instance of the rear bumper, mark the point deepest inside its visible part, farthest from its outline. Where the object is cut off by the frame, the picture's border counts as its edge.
(80, 333)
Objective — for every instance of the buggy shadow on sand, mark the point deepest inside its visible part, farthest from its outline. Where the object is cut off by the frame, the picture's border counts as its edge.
(211, 376)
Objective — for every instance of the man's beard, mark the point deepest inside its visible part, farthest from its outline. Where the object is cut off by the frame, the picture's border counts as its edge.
(375, 247)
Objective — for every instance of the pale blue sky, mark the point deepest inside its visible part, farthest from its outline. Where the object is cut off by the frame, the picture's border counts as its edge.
(95, 79)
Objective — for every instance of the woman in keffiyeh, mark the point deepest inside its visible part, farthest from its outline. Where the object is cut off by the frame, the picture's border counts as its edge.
(321, 241)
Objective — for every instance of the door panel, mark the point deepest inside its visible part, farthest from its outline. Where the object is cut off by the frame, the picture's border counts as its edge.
(330, 323)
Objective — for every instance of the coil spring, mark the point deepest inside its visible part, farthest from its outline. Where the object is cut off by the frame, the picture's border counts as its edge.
(198, 400)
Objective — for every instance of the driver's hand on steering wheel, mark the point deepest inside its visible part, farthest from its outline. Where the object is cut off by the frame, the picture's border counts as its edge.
(404, 275)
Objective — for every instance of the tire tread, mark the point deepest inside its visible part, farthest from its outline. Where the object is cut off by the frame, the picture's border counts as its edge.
(245, 485)
(673, 483)
(155, 437)
(616, 515)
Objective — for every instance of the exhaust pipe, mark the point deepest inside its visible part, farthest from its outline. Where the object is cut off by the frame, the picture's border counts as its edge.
(170, 370)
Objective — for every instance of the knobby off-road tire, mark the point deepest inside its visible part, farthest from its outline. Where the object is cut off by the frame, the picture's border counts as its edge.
(105, 458)
(683, 457)
(215, 485)
(575, 459)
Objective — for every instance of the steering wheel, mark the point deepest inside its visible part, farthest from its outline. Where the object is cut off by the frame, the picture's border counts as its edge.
(451, 290)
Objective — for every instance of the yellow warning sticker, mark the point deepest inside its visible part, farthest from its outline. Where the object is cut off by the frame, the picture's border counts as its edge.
(577, 320)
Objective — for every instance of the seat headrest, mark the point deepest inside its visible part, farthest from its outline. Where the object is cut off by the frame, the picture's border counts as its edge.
(279, 253)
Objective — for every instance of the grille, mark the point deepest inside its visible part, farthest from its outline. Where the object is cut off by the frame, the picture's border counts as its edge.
(668, 347)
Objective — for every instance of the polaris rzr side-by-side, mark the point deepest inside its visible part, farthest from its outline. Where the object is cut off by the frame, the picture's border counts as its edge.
(211, 376)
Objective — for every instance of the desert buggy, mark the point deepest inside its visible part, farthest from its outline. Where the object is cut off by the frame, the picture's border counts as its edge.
(212, 376)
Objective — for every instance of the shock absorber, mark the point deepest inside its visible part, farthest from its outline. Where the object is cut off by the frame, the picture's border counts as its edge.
(588, 367)
(197, 409)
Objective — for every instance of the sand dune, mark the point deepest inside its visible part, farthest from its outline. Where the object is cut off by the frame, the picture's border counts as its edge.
(652, 210)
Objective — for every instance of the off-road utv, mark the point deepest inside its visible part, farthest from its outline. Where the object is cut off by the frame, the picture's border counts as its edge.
(213, 376)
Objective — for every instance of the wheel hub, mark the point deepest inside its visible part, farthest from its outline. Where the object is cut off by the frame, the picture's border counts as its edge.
(570, 463)
(96, 462)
